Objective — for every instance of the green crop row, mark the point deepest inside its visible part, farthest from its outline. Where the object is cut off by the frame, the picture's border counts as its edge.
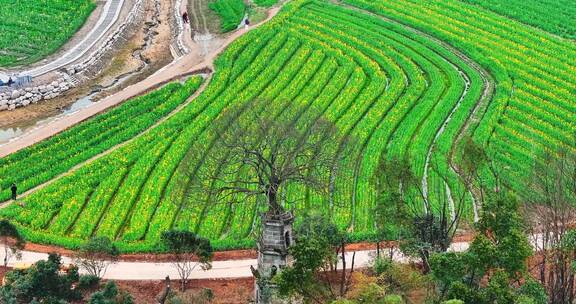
(32, 30)
(231, 12)
(31, 167)
(394, 91)
(530, 67)
(553, 16)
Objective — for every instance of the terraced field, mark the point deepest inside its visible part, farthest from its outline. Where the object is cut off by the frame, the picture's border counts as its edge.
(32, 29)
(534, 107)
(400, 85)
(231, 12)
(554, 16)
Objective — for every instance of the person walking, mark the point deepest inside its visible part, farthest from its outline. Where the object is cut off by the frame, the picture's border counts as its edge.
(185, 17)
(14, 191)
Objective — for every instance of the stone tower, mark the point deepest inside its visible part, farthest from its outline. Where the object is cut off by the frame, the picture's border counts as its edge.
(272, 254)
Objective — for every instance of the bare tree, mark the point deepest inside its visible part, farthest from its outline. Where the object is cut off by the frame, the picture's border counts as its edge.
(551, 213)
(258, 155)
(189, 250)
(96, 255)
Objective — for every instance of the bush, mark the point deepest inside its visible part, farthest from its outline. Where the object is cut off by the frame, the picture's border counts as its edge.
(202, 296)
(453, 301)
(381, 265)
(393, 299)
(111, 295)
(88, 281)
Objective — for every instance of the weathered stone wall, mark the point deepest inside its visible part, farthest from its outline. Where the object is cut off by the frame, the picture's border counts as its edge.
(273, 246)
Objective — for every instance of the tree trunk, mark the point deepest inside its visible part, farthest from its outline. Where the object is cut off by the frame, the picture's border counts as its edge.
(5, 243)
(272, 194)
(343, 280)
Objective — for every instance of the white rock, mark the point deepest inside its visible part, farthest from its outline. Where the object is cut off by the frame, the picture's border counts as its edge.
(11, 107)
(3, 107)
(28, 95)
(15, 94)
(54, 83)
(25, 102)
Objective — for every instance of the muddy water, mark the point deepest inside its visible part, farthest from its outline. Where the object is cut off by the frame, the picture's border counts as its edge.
(17, 130)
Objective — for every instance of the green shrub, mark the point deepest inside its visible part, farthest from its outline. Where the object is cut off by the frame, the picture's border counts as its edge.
(393, 299)
(88, 281)
(453, 301)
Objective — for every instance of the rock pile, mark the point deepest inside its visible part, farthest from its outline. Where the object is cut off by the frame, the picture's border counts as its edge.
(11, 100)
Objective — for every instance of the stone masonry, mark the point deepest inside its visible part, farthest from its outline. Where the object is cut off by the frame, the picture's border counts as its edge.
(273, 256)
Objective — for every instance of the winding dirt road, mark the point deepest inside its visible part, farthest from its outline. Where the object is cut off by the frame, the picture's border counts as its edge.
(220, 269)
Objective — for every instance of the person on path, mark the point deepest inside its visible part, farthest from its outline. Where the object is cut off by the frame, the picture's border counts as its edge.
(185, 17)
(14, 189)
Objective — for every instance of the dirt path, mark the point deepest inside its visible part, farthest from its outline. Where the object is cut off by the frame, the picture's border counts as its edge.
(220, 269)
(184, 65)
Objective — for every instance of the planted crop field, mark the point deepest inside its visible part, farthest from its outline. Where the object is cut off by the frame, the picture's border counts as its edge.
(403, 79)
(32, 29)
(231, 12)
(556, 16)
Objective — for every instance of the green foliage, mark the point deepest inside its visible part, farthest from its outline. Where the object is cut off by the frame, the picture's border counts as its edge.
(453, 301)
(265, 3)
(231, 12)
(88, 281)
(37, 164)
(7, 229)
(539, 120)
(80, 213)
(497, 255)
(32, 30)
(555, 17)
(309, 255)
(99, 246)
(330, 62)
(110, 295)
(315, 249)
(185, 242)
(42, 281)
(317, 226)
(393, 299)
(533, 292)
(96, 254)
